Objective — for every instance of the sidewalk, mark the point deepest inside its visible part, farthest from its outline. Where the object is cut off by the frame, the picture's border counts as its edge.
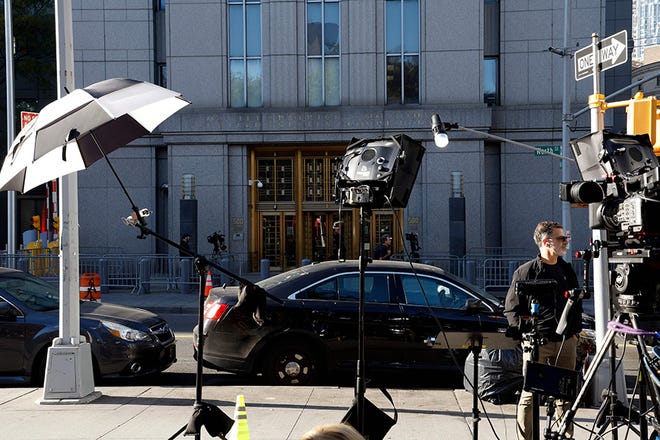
(273, 413)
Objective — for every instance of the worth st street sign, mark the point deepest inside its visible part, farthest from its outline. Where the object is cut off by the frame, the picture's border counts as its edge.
(613, 51)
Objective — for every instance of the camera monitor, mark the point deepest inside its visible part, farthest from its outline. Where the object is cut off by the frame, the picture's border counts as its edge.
(601, 154)
(533, 289)
(550, 380)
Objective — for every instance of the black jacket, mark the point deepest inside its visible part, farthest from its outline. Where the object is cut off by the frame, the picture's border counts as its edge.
(550, 308)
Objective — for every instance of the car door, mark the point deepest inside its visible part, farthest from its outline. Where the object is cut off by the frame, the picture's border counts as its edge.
(12, 339)
(433, 305)
(334, 305)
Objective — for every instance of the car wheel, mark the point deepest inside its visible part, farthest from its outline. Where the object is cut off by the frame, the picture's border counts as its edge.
(38, 373)
(291, 364)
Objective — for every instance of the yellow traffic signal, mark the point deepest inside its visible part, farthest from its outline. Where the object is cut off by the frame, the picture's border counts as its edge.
(644, 118)
(56, 224)
(36, 222)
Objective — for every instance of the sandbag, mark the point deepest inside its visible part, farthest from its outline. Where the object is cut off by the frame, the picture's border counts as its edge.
(500, 375)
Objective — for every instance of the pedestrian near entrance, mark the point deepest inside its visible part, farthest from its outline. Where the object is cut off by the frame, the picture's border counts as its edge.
(339, 249)
(559, 350)
(384, 249)
(185, 245)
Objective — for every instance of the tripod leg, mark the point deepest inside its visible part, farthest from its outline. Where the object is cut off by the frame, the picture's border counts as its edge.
(476, 348)
(589, 375)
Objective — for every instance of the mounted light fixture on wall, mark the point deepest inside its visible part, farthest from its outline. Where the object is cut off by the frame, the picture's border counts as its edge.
(255, 182)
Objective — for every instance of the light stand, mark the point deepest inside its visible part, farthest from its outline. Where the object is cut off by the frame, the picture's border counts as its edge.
(374, 173)
(476, 342)
(205, 414)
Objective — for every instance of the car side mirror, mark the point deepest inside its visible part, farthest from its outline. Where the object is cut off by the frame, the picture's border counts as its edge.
(473, 306)
(7, 312)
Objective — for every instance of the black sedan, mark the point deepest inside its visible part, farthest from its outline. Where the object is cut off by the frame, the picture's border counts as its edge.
(409, 310)
(125, 342)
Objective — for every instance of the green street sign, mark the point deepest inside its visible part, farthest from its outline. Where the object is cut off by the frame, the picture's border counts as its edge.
(555, 149)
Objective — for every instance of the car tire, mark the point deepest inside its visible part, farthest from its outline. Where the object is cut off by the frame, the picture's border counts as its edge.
(38, 373)
(290, 363)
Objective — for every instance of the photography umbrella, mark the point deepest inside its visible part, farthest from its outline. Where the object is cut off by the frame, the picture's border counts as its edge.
(78, 129)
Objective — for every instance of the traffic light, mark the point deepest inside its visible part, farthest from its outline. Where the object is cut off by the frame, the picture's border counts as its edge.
(643, 118)
(56, 225)
(36, 222)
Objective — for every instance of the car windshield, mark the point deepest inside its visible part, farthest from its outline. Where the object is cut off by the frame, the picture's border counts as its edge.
(35, 293)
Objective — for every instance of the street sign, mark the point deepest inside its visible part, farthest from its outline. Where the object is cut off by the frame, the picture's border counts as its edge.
(556, 149)
(613, 51)
(26, 117)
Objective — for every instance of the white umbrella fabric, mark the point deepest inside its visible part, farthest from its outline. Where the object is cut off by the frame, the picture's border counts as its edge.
(75, 131)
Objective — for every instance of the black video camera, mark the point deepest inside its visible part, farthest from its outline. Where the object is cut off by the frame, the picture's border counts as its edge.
(530, 294)
(621, 183)
(218, 242)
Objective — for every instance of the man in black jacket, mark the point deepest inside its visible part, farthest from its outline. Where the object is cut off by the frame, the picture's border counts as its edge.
(558, 350)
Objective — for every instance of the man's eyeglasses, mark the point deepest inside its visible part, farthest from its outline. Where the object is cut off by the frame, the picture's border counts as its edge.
(562, 238)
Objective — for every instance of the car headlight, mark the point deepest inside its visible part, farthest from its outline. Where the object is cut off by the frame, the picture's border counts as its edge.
(124, 332)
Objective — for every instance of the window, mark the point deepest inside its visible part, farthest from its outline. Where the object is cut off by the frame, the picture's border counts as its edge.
(162, 74)
(491, 51)
(438, 292)
(245, 69)
(323, 51)
(376, 288)
(319, 178)
(402, 51)
(326, 290)
(491, 70)
(276, 175)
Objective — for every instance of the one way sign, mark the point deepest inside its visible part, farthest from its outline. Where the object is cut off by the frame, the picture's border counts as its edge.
(613, 51)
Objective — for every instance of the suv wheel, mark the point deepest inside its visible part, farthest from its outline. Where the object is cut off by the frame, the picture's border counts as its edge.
(290, 364)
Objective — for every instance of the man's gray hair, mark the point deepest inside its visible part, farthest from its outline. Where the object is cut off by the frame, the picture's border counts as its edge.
(544, 229)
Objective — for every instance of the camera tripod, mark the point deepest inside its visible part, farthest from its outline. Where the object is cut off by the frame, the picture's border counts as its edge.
(647, 389)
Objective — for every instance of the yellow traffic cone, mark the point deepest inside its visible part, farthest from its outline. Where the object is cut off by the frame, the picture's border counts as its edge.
(240, 429)
(209, 284)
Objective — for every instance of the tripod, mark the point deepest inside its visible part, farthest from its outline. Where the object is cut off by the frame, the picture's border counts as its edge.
(475, 342)
(644, 379)
(534, 341)
(378, 423)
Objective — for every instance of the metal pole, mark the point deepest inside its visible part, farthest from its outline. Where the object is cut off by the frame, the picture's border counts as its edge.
(69, 369)
(9, 70)
(601, 284)
(566, 118)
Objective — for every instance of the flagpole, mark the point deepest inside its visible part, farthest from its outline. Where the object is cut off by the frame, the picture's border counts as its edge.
(69, 371)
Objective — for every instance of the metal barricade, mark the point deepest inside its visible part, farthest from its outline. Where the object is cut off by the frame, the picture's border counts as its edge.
(498, 272)
(118, 271)
(144, 273)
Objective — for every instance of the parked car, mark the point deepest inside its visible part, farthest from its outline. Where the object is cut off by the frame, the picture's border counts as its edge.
(125, 342)
(314, 331)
